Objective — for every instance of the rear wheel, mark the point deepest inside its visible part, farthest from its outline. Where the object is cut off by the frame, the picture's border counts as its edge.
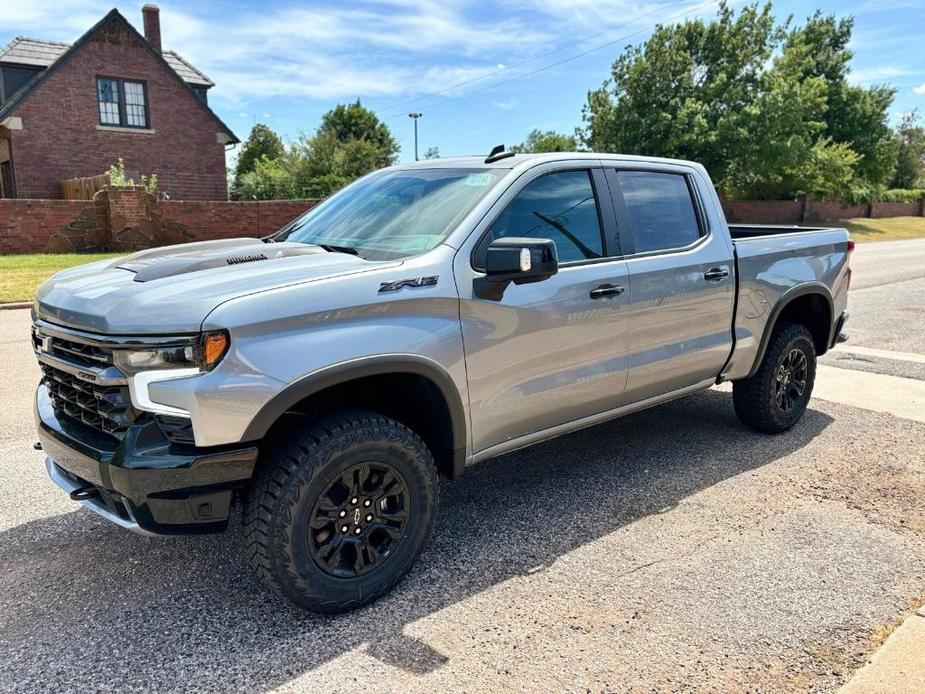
(341, 512)
(774, 399)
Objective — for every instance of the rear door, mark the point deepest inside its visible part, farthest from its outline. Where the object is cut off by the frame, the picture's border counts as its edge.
(682, 286)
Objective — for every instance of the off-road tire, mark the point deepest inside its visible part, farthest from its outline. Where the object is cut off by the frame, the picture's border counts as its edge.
(291, 481)
(755, 398)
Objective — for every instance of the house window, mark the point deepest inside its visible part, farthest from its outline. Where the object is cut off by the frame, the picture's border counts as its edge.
(122, 102)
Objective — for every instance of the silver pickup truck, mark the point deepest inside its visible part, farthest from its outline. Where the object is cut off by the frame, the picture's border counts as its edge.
(425, 318)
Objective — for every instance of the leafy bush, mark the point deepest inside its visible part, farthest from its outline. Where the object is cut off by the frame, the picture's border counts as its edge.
(117, 177)
(901, 195)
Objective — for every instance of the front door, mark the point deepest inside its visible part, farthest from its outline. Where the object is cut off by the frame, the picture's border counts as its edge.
(682, 283)
(554, 351)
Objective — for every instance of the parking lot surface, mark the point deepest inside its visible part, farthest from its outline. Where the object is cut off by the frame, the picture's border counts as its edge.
(669, 550)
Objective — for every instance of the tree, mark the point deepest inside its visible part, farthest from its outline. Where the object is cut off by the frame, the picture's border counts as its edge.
(432, 153)
(856, 116)
(910, 161)
(269, 180)
(349, 143)
(761, 105)
(689, 91)
(353, 122)
(261, 143)
(548, 141)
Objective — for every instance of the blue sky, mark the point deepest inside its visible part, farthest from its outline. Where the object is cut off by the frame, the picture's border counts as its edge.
(286, 63)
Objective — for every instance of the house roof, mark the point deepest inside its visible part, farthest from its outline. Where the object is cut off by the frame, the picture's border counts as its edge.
(24, 50)
(111, 16)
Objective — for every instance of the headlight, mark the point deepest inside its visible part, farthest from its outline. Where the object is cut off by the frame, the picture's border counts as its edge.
(146, 366)
(204, 355)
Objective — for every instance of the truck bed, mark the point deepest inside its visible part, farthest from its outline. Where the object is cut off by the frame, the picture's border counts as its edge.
(750, 231)
(770, 262)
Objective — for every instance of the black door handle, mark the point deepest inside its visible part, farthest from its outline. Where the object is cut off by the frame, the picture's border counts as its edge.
(715, 274)
(606, 290)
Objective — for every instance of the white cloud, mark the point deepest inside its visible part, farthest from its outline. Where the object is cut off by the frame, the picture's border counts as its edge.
(920, 89)
(615, 16)
(505, 105)
(371, 48)
(877, 74)
(366, 48)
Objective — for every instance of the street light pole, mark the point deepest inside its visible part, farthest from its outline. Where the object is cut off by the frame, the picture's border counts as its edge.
(414, 115)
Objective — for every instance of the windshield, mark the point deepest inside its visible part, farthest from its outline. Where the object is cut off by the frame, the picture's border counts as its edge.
(394, 214)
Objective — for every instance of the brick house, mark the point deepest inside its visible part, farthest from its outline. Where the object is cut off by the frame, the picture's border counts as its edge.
(70, 111)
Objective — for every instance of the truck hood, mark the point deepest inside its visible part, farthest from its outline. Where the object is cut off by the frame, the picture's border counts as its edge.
(173, 288)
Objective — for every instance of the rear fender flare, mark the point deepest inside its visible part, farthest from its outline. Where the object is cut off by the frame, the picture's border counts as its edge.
(788, 298)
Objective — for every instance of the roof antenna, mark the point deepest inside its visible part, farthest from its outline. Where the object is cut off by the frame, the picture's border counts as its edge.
(497, 152)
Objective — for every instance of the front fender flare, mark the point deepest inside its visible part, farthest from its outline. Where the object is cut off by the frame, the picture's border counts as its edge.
(322, 379)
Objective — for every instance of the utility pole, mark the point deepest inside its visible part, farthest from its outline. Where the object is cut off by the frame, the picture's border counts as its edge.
(414, 115)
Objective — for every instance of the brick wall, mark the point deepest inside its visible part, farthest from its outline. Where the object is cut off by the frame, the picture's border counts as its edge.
(895, 209)
(822, 210)
(213, 220)
(763, 211)
(36, 226)
(805, 211)
(61, 137)
(27, 225)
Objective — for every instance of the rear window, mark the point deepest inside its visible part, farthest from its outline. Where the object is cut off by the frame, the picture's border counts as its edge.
(659, 209)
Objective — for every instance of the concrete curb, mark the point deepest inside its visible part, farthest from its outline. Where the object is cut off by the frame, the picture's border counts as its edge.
(16, 304)
(896, 667)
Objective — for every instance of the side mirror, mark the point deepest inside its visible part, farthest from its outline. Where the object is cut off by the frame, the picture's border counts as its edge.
(517, 260)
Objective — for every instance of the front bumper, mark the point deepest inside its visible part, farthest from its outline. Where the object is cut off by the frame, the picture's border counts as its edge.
(142, 482)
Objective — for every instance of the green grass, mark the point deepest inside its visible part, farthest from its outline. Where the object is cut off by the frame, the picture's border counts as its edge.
(20, 275)
(888, 229)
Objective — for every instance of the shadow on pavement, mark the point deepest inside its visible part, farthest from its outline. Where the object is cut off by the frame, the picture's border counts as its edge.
(90, 603)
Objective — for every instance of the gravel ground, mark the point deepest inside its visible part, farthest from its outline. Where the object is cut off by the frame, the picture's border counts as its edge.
(671, 550)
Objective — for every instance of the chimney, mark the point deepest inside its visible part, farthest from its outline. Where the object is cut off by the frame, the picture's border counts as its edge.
(152, 18)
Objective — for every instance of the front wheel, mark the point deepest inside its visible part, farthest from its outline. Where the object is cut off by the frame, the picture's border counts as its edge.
(774, 399)
(341, 512)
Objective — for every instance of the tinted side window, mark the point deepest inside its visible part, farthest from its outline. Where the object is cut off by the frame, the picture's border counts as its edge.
(557, 206)
(660, 210)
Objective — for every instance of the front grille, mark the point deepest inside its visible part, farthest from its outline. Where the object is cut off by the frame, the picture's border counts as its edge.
(106, 408)
(77, 353)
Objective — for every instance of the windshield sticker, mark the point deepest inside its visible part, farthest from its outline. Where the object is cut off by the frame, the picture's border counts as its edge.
(478, 180)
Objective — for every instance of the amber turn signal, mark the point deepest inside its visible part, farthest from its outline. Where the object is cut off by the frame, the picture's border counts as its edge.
(213, 349)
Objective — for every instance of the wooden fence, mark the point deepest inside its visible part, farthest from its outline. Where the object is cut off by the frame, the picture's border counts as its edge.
(84, 188)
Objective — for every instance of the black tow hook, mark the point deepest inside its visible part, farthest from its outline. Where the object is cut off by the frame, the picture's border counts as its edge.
(84, 493)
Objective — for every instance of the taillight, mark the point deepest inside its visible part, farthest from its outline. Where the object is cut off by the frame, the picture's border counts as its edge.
(850, 251)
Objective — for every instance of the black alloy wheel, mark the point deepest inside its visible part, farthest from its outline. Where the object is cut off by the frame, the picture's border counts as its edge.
(775, 397)
(340, 509)
(790, 380)
(359, 520)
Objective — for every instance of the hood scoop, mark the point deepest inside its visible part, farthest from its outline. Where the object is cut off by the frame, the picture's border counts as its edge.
(180, 260)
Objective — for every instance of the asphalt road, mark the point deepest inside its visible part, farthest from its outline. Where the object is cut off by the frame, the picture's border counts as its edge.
(887, 308)
(669, 550)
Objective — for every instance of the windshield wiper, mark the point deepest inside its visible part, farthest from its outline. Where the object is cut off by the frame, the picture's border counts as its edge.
(339, 249)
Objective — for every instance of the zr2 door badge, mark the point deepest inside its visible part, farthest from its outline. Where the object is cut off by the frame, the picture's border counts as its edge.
(429, 281)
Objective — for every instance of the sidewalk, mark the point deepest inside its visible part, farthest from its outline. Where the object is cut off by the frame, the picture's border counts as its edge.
(898, 666)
